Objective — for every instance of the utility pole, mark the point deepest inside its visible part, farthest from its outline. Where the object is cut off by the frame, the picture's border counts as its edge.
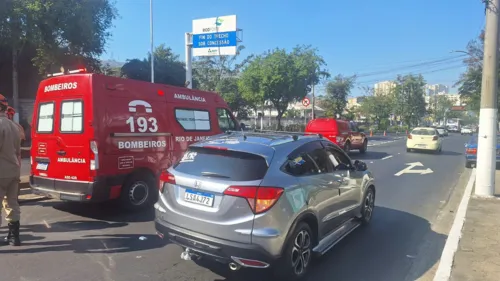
(487, 137)
(151, 41)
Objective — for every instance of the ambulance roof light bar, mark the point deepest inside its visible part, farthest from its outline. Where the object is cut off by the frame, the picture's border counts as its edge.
(80, 70)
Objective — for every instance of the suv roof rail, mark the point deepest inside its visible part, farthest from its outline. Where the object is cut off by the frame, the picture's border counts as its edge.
(294, 135)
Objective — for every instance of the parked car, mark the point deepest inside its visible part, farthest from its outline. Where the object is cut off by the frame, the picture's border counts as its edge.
(341, 132)
(424, 138)
(471, 151)
(263, 200)
(98, 138)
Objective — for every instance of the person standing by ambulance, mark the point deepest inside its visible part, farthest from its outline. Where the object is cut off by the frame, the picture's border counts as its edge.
(10, 171)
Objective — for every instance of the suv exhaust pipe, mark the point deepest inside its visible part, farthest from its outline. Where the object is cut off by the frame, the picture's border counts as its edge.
(187, 255)
(233, 266)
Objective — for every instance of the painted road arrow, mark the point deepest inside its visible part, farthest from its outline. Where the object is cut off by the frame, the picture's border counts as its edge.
(408, 170)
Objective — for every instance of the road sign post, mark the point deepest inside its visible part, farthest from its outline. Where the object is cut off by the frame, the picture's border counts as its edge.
(216, 36)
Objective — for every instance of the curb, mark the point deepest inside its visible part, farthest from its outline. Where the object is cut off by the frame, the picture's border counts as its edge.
(26, 196)
(443, 272)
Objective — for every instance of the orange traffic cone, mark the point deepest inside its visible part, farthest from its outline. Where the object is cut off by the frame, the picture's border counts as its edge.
(371, 133)
(384, 134)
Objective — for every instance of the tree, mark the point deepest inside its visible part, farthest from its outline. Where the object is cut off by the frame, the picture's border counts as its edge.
(409, 98)
(439, 106)
(337, 91)
(220, 74)
(281, 78)
(209, 71)
(469, 84)
(169, 69)
(378, 108)
(59, 37)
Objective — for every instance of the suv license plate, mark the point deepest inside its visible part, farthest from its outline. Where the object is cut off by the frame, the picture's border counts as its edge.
(197, 197)
(42, 166)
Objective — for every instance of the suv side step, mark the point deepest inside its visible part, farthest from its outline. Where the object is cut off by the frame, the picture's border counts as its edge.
(333, 238)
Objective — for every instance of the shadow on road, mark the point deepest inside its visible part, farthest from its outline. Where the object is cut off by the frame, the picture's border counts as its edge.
(71, 226)
(384, 250)
(108, 211)
(369, 155)
(91, 244)
(444, 152)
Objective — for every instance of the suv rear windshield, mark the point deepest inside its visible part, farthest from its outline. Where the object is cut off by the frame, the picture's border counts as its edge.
(223, 164)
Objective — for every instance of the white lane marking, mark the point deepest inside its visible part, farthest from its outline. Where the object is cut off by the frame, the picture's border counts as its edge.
(408, 170)
(387, 157)
(443, 272)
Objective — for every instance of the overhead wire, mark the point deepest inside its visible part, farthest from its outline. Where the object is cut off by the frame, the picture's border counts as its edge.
(419, 65)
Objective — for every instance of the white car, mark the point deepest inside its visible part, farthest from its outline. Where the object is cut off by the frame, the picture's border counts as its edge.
(423, 138)
(466, 131)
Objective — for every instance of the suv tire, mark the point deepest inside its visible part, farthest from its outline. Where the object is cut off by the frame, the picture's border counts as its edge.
(347, 147)
(364, 147)
(297, 254)
(140, 186)
(368, 206)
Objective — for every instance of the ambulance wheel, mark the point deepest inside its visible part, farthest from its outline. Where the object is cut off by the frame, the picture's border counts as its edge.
(138, 192)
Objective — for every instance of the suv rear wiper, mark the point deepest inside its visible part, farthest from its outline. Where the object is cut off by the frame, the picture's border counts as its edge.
(215, 175)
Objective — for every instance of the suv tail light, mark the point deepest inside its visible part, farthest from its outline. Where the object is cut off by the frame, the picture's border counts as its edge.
(409, 136)
(166, 177)
(260, 198)
(471, 151)
(435, 138)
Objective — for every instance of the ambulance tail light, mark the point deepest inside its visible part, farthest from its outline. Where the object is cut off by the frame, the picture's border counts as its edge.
(94, 157)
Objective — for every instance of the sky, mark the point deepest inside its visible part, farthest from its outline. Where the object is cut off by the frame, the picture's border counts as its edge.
(375, 40)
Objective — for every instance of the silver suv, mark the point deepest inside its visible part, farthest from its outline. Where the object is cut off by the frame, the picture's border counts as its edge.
(257, 200)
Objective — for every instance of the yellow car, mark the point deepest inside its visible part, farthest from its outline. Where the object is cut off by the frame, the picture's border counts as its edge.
(423, 138)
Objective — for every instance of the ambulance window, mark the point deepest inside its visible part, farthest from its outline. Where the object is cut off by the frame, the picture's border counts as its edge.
(193, 119)
(71, 116)
(226, 122)
(45, 122)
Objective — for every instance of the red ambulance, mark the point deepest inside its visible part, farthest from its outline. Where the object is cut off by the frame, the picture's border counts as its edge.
(97, 138)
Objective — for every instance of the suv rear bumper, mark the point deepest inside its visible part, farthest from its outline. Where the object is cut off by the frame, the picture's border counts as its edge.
(217, 249)
(69, 190)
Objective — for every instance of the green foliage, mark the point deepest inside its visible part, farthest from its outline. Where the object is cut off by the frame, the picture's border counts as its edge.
(337, 91)
(439, 106)
(281, 78)
(169, 69)
(292, 113)
(67, 33)
(469, 84)
(378, 109)
(220, 74)
(409, 99)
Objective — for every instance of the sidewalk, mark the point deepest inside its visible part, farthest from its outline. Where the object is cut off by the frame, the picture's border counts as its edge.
(478, 255)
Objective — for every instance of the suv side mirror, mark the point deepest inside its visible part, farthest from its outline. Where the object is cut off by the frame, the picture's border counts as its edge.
(360, 165)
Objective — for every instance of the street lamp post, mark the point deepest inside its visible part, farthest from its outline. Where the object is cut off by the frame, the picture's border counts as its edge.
(151, 41)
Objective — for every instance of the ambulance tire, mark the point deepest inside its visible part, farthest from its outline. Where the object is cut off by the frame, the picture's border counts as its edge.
(139, 192)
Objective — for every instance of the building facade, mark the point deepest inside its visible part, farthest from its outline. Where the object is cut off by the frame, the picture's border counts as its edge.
(384, 88)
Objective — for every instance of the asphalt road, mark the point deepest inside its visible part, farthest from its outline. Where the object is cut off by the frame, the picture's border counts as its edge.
(65, 241)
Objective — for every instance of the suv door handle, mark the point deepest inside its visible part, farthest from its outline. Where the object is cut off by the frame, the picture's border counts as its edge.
(61, 152)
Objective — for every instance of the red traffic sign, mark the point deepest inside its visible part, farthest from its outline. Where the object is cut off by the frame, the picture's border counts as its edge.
(306, 102)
